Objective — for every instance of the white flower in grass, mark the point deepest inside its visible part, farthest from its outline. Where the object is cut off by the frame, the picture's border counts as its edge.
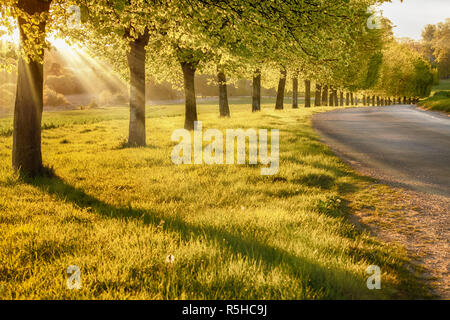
(242, 208)
(161, 224)
(170, 259)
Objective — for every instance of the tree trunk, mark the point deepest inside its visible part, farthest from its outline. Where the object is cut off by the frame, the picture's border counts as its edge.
(136, 65)
(26, 153)
(295, 92)
(373, 101)
(325, 96)
(189, 69)
(281, 87)
(318, 95)
(224, 108)
(256, 94)
(352, 100)
(335, 98)
(341, 99)
(364, 100)
(307, 93)
(347, 99)
(330, 97)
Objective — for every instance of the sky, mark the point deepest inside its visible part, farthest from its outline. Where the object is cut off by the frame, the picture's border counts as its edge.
(411, 16)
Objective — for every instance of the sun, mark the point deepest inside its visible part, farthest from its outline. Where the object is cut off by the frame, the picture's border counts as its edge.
(59, 43)
(14, 37)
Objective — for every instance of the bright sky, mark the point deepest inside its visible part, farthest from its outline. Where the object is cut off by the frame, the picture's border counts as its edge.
(411, 16)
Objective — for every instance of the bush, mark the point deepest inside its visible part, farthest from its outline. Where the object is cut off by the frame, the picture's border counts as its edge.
(121, 98)
(440, 101)
(105, 98)
(92, 104)
(65, 84)
(438, 105)
(54, 99)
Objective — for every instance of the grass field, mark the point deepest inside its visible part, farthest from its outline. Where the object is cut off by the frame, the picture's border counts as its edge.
(444, 85)
(439, 99)
(117, 213)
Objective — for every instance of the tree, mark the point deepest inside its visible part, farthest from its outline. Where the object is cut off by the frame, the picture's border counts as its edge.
(136, 63)
(325, 95)
(224, 108)
(428, 35)
(318, 95)
(127, 27)
(32, 17)
(189, 60)
(294, 34)
(281, 88)
(404, 72)
(441, 48)
(295, 91)
(256, 91)
(307, 93)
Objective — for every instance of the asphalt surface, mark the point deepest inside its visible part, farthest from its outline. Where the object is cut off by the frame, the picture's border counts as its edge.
(400, 145)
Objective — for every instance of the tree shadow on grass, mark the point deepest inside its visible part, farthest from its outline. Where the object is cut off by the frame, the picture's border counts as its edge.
(329, 283)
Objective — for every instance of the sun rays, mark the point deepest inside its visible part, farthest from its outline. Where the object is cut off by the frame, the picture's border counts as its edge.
(72, 76)
(95, 75)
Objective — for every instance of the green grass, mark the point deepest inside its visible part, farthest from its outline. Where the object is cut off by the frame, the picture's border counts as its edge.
(117, 213)
(444, 85)
(56, 119)
(440, 98)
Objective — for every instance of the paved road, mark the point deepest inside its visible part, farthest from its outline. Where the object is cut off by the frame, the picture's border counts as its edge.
(398, 144)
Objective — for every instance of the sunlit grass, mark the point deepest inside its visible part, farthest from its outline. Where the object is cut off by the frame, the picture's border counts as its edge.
(440, 98)
(117, 213)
